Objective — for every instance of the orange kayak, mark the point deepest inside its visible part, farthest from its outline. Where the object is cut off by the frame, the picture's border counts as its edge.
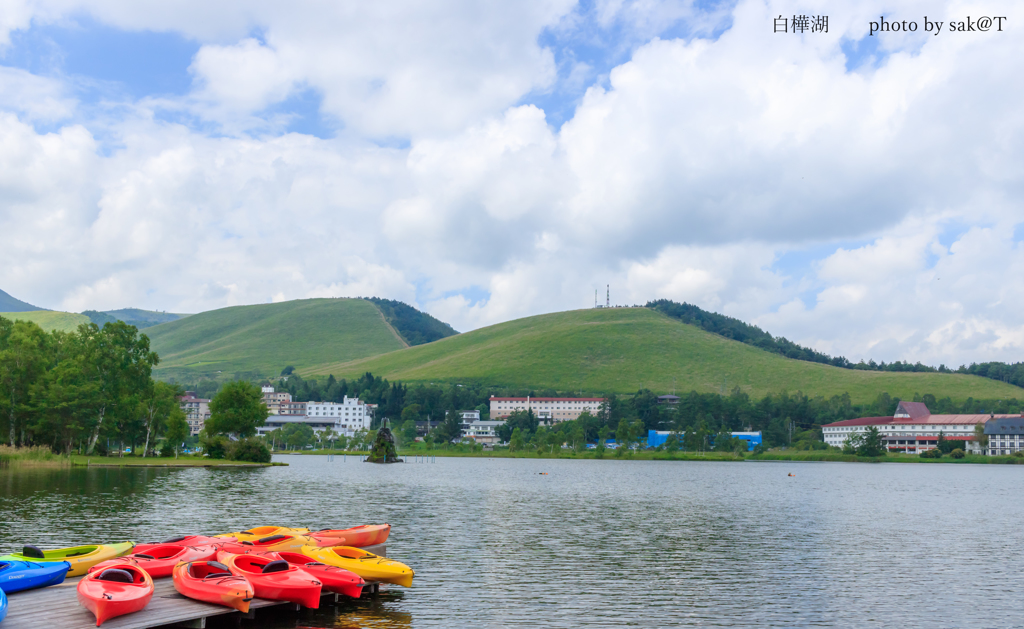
(332, 578)
(359, 536)
(212, 582)
(120, 589)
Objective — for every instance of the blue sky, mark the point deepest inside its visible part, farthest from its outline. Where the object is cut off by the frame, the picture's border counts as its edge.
(486, 162)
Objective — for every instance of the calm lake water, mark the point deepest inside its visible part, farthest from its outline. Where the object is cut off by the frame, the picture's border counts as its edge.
(495, 543)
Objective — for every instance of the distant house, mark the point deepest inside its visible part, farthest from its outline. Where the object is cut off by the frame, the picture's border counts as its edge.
(197, 411)
(668, 399)
(1005, 435)
(549, 410)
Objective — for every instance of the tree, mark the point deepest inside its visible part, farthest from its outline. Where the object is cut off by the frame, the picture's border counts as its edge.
(117, 362)
(157, 405)
(578, 436)
(237, 408)
(871, 443)
(944, 445)
(624, 436)
(22, 358)
(980, 438)
(526, 421)
(673, 442)
(516, 442)
(407, 433)
(602, 441)
(177, 428)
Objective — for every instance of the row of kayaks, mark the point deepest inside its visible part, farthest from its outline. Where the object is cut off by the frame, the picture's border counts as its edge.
(275, 563)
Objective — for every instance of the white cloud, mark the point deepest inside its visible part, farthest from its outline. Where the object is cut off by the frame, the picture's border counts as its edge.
(688, 174)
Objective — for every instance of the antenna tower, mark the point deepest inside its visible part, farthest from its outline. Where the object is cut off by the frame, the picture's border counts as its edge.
(595, 298)
(608, 297)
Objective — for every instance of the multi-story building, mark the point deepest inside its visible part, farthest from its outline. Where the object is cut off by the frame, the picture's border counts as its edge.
(344, 418)
(275, 400)
(912, 428)
(197, 411)
(482, 431)
(1005, 434)
(549, 410)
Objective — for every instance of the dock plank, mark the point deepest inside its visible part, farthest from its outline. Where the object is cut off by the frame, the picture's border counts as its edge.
(56, 607)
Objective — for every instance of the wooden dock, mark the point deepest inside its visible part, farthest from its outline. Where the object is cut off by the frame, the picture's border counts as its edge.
(57, 607)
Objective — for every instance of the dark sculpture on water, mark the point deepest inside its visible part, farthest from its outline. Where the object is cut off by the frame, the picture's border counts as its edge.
(383, 450)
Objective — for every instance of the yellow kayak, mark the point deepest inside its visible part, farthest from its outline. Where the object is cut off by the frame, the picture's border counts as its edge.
(257, 532)
(81, 558)
(367, 565)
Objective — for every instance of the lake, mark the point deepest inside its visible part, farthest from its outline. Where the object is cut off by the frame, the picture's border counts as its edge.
(574, 543)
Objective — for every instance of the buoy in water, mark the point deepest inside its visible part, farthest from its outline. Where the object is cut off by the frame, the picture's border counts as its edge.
(792, 474)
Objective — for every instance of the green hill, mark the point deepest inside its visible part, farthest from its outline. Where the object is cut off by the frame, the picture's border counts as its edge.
(265, 338)
(133, 316)
(10, 304)
(624, 349)
(49, 320)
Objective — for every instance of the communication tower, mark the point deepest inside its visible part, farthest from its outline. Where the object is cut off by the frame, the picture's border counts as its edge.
(608, 297)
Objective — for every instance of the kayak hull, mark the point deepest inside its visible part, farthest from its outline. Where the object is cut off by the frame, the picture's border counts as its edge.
(191, 580)
(160, 560)
(367, 565)
(358, 536)
(81, 558)
(109, 599)
(292, 585)
(185, 540)
(16, 576)
(3, 605)
(332, 578)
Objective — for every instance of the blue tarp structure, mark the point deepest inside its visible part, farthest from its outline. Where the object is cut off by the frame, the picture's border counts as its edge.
(656, 438)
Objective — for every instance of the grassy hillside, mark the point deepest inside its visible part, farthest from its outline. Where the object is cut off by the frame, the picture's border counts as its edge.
(49, 319)
(10, 304)
(624, 349)
(268, 337)
(132, 316)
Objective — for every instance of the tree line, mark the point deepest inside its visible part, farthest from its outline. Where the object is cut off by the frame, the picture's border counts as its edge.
(74, 391)
(732, 328)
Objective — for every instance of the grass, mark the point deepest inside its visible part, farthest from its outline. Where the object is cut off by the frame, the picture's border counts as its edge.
(621, 350)
(181, 461)
(34, 456)
(268, 337)
(49, 320)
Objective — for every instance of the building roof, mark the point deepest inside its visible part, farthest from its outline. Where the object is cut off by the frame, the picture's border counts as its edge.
(547, 399)
(1005, 425)
(916, 410)
(861, 421)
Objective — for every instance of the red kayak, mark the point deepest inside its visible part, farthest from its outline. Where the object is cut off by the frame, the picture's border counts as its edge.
(212, 582)
(333, 578)
(360, 536)
(275, 580)
(118, 590)
(160, 560)
(278, 543)
(185, 540)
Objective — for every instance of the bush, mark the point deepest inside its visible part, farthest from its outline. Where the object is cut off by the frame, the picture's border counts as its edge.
(934, 453)
(252, 450)
(958, 453)
(167, 451)
(216, 447)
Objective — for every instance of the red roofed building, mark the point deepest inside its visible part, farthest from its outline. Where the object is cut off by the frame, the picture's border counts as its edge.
(912, 428)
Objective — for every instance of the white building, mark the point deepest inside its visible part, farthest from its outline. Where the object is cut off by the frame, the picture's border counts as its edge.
(548, 410)
(344, 418)
(197, 411)
(1005, 434)
(911, 429)
(482, 431)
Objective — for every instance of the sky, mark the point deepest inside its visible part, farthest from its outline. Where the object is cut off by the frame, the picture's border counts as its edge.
(859, 193)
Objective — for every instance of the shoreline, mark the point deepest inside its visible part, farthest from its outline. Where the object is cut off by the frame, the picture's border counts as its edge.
(811, 456)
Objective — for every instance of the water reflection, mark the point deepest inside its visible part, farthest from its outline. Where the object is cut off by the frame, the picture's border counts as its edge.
(596, 543)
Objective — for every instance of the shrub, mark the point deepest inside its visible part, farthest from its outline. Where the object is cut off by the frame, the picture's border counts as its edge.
(167, 451)
(958, 453)
(216, 447)
(252, 450)
(934, 453)
(1019, 454)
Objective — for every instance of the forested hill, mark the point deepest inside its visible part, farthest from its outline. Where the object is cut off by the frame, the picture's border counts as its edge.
(737, 330)
(415, 327)
(10, 304)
